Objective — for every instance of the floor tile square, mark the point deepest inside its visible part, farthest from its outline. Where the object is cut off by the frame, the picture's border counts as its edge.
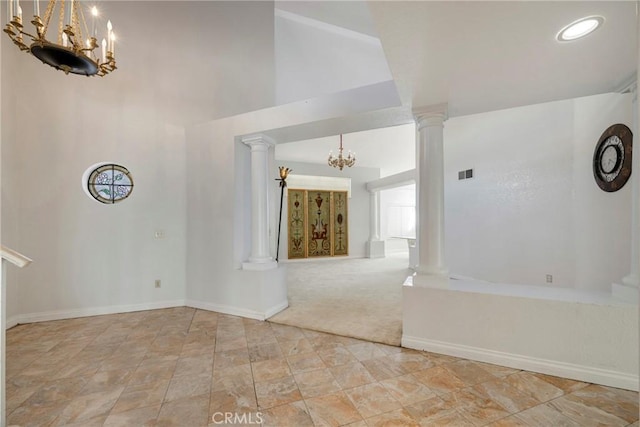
(293, 414)
(439, 379)
(407, 389)
(277, 392)
(305, 362)
(398, 417)
(316, 383)
(270, 370)
(372, 399)
(352, 375)
(332, 410)
(336, 356)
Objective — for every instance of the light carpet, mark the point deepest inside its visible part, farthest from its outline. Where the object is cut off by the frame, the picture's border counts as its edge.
(359, 298)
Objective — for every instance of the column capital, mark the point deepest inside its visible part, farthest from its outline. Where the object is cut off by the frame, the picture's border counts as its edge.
(256, 141)
(431, 115)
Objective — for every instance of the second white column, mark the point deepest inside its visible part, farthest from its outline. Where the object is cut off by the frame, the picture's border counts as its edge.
(431, 269)
(260, 258)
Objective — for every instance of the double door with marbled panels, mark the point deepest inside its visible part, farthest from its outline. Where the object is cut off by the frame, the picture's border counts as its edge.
(318, 225)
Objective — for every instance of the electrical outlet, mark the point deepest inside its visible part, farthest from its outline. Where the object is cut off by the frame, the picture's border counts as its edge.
(159, 234)
(158, 282)
(549, 278)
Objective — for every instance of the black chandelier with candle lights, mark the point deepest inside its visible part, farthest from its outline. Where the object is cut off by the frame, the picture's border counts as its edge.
(75, 45)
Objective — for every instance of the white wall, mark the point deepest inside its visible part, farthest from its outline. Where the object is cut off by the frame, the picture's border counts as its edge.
(533, 207)
(601, 220)
(87, 256)
(314, 58)
(91, 258)
(393, 199)
(358, 203)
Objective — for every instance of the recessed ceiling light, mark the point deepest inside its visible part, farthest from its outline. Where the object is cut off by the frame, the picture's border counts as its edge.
(579, 28)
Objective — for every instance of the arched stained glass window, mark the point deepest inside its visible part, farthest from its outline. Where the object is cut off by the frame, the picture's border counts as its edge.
(110, 183)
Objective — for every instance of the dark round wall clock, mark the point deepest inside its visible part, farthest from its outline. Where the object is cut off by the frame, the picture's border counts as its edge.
(612, 158)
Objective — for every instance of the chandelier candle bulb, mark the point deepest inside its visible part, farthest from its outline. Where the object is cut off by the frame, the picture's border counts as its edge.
(104, 51)
(19, 13)
(113, 44)
(94, 28)
(109, 28)
(17, 8)
(68, 12)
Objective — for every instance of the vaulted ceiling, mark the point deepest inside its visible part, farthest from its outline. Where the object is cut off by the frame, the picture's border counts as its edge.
(480, 56)
(192, 61)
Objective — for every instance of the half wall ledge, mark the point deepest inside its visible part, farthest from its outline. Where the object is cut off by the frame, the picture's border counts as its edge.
(577, 334)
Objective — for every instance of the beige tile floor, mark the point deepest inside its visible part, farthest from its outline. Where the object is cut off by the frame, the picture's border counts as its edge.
(186, 367)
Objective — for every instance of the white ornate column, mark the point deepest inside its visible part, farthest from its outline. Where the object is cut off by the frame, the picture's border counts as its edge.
(431, 269)
(628, 290)
(260, 258)
(375, 246)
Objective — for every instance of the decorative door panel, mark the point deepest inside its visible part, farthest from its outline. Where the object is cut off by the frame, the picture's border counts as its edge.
(340, 237)
(318, 223)
(318, 227)
(297, 240)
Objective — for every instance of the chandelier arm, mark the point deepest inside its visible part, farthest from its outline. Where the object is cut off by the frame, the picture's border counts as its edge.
(34, 38)
(73, 30)
(83, 23)
(17, 40)
(47, 16)
(77, 23)
(61, 21)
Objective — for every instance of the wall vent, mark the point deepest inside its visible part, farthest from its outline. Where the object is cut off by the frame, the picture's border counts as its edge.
(466, 174)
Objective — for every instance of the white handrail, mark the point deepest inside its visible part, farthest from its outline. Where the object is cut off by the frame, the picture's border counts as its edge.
(14, 257)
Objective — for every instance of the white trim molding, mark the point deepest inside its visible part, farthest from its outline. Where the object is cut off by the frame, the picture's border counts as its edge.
(544, 366)
(14, 257)
(237, 311)
(311, 182)
(45, 316)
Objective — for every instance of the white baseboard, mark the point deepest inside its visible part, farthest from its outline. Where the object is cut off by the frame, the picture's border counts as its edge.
(236, 311)
(276, 309)
(226, 309)
(12, 321)
(114, 309)
(550, 367)
(90, 311)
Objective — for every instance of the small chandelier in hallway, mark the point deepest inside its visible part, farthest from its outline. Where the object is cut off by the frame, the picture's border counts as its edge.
(72, 47)
(340, 161)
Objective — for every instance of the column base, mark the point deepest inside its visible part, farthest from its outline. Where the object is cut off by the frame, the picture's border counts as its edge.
(375, 249)
(260, 266)
(431, 270)
(625, 292)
